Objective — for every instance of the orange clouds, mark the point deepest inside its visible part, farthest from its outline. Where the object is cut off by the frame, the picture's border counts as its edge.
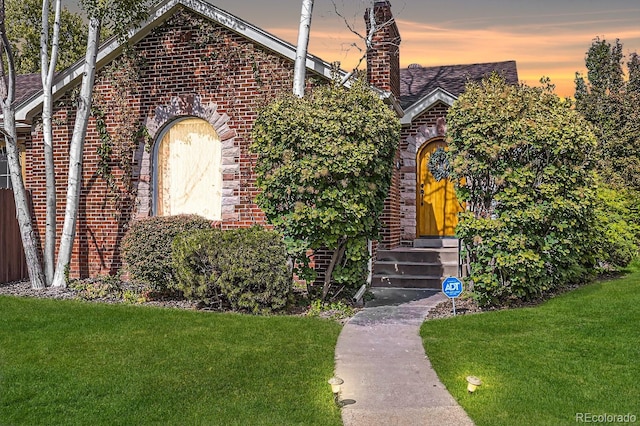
(544, 45)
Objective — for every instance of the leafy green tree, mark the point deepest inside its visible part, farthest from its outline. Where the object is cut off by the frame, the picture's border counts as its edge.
(521, 156)
(24, 23)
(609, 100)
(118, 17)
(617, 226)
(324, 167)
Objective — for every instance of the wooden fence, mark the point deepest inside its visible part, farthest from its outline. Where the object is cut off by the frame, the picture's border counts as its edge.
(13, 266)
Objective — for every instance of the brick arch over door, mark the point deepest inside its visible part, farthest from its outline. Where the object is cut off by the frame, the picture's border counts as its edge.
(414, 142)
(165, 115)
(425, 133)
(436, 205)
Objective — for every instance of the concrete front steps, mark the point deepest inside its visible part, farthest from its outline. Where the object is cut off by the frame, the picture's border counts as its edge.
(423, 266)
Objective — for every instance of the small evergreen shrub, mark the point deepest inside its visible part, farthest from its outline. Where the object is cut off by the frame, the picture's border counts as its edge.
(196, 260)
(244, 268)
(146, 248)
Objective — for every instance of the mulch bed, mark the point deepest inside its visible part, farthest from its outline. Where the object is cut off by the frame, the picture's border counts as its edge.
(467, 305)
(464, 305)
(23, 289)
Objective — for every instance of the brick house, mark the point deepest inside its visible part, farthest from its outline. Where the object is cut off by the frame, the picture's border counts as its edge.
(195, 78)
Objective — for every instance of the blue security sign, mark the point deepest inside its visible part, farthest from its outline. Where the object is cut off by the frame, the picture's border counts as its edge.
(452, 287)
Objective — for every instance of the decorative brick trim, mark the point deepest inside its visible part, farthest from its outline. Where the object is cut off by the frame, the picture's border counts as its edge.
(425, 134)
(189, 106)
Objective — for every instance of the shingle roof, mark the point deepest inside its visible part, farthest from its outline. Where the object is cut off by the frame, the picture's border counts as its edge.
(27, 85)
(417, 81)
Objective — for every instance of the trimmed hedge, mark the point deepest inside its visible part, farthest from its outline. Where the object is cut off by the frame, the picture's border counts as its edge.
(244, 268)
(146, 248)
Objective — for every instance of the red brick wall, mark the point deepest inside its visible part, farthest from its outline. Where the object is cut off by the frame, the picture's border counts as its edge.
(183, 57)
(391, 232)
(187, 55)
(383, 72)
(383, 59)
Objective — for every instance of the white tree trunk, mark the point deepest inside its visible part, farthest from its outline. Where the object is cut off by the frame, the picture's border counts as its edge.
(75, 155)
(299, 71)
(22, 206)
(47, 70)
(7, 95)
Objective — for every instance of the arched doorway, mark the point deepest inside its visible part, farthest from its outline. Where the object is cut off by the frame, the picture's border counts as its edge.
(437, 205)
(188, 172)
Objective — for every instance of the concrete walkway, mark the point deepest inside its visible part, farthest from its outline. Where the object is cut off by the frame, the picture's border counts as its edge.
(388, 380)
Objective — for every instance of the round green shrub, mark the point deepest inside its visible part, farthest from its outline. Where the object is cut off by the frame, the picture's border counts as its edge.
(147, 246)
(243, 268)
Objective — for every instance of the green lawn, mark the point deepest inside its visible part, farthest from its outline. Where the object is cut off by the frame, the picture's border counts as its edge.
(80, 363)
(577, 353)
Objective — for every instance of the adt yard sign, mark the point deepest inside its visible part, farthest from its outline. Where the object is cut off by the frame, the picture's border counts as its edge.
(452, 287)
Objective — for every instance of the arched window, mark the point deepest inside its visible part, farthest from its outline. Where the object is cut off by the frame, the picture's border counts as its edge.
(188, 172)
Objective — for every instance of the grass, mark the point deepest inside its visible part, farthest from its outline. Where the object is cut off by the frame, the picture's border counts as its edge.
(577, 353)
(71, 363)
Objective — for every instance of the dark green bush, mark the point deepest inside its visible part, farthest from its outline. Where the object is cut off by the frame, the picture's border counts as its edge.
(244, 268)
(196, 260)
(146, 248)
(324, 166)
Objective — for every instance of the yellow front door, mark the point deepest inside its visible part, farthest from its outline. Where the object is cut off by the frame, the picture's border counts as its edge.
(437, 205)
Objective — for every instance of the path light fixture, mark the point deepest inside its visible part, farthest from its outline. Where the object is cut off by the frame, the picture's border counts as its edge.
(336, 386)
(472, 383)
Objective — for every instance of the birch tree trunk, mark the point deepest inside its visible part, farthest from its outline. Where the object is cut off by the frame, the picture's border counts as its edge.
(76, 149)
(7, 94)
(47, 71)
(300, 66)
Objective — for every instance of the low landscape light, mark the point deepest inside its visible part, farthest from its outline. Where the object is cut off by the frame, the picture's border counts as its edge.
(336, 385)
(472, 383)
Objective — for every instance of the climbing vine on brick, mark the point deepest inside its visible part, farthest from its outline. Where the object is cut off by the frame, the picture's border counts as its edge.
(120, 130)
(227, 59)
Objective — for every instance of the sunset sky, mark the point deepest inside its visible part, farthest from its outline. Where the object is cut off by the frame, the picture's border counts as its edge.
(545, 37)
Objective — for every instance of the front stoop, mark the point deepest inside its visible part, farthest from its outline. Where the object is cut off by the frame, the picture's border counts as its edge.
(423, 266)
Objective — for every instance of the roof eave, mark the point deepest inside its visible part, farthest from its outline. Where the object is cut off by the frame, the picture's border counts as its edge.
(426, 102)
(26, 109)
(390, 99)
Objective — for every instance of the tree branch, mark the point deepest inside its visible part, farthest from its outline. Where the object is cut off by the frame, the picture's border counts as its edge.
(374, 27)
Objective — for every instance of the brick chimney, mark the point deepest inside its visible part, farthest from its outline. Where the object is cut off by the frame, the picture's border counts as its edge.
(383, 59)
